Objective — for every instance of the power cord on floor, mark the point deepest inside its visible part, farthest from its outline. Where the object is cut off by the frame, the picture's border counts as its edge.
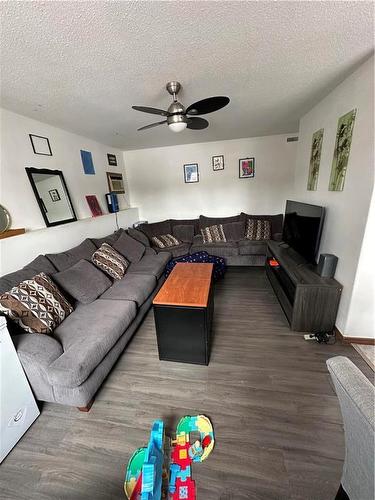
(328, 338)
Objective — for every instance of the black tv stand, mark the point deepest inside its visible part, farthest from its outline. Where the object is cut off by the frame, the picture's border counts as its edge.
(309, 301)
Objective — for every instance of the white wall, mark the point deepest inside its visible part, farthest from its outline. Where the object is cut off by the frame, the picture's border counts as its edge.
(157, 187)
(17, 195)
(16, 153)
(347, 211)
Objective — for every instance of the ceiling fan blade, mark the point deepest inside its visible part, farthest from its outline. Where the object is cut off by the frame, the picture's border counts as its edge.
(207, 105)
(153, 111)
(152, 125)
(196, 123)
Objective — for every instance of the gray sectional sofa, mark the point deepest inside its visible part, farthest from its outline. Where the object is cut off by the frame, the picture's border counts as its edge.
(237, 250)
(70, 366)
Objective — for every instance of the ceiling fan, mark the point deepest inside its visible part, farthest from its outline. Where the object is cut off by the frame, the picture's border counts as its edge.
(177, 116)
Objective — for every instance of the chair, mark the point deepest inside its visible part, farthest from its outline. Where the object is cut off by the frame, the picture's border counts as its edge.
(356, 396)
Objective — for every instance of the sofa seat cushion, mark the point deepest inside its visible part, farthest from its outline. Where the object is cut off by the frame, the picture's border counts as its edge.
(135, 287)
(177, 250)
(252, 247)
(39, 265)
(221, 248)
(64, 260)
(87, 335)
(150, 264)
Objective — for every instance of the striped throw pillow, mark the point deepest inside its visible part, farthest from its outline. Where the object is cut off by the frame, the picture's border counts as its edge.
(111, 262)
(213, 234)
(258, 229)
(165, 241)
(36, 305)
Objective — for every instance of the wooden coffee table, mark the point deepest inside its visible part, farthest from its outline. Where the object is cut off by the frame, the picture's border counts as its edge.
(183, 310)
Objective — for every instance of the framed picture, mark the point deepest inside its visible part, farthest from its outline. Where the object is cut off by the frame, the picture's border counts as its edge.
(54, 194)
(112, 160)
(246, 168)
(316, 151)
(191, 173)
(40, 145)
(87, 163)
(115, 182)
(93, 203)
(218, 162)
(341, 154)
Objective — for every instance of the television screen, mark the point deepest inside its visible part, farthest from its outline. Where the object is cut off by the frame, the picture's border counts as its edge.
(303, 227)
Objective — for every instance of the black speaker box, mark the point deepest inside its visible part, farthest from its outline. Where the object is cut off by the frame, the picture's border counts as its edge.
(327, 265)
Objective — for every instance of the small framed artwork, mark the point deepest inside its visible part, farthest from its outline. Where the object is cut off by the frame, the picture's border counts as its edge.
(115, 182)
(93, 203)
(246, 168)
(87, 163)
(41, 145)
(218, 162)
(54, 194)
(112, 160)
(191, 173)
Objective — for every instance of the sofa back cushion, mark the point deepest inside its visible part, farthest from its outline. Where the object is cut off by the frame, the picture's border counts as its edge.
(156, 228)
(83, 281)
(110, 238)
(213, 234)
(185, 222)
(36, 305)
(38, 265)
(64, 260)
(110, 261)
(258, 229)
(139, 236)
(275, 220)
(184, 233)
(234, 231)
(130, 248)
(213, 221)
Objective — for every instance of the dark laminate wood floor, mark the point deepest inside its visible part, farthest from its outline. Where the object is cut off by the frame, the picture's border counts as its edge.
(277, 420)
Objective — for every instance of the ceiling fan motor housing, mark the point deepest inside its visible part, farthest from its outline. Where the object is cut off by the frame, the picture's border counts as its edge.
(176, 113)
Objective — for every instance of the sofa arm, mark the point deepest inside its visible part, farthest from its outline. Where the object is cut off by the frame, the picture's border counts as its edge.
(36, 353)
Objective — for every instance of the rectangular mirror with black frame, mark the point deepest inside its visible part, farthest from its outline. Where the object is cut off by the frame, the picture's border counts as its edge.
(52, 195)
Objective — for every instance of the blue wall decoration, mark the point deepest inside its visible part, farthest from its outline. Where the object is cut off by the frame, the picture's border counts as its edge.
(88, 165)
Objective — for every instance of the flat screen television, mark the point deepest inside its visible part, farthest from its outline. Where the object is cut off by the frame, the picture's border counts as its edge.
(302, 229)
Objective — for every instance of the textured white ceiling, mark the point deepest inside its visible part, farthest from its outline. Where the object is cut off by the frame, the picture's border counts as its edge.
(81, 65)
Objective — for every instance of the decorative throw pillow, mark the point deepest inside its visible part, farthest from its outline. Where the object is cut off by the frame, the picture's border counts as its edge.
(36, 305)
(258, 229)
(83, 281)
(213, 234)
(165, 241)
(111, 262)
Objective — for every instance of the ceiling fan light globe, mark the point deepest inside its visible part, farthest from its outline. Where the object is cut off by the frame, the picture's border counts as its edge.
(177, 126)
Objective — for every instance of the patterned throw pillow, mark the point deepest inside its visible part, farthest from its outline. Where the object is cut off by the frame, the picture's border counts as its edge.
(165, 241)
(258, 229)
(212, 234)
(111, 262)
(36, 305)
